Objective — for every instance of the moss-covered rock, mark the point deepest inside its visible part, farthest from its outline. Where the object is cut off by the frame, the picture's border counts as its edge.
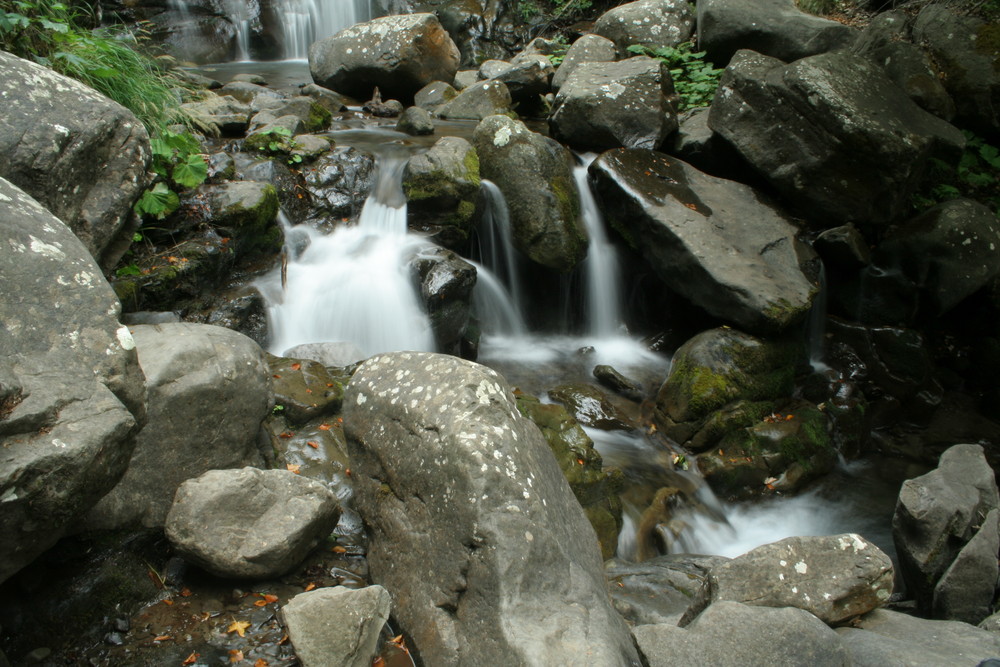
(720, 366)
(441, 186)
(781, 452)
(246, 212)
(595, 488)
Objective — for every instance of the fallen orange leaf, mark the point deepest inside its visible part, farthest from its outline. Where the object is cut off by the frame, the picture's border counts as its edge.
(260, 603)
(161, 638)
(283, 640)
(239, 627)
(787, 417)
(270, 598)
(324, 427)
(191, 659)
(286, 435)
(399, 642)
(168, 602)
(340, 420)
(296, 366)
(294, 467)
(313, 444)
(172, 259)
(310, 586)
(276, 376)
(339, 550)
(186, 592)
(235, 655)
(261, 662)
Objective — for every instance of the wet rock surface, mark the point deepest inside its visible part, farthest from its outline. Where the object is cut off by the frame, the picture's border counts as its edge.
(336, 626)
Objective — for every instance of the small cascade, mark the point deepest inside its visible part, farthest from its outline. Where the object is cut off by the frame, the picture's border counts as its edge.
(239, 15)
(353, 284)
(816, 328)
(306, 21)
(496, 244)
(602, 274)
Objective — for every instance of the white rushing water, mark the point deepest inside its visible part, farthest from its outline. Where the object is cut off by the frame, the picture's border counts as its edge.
(306, 21)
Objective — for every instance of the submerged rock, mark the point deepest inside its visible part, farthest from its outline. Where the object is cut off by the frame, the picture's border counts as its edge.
(474, 531)
(535, 175)
(72, 394)
(250, 523)
(398, 54)
(715, 242)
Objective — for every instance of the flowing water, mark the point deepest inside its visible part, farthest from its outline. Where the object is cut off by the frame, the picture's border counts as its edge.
(355, 285)
(306, 21)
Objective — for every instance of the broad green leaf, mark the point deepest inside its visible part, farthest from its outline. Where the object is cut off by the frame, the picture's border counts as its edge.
(159, 201)
(191, 172)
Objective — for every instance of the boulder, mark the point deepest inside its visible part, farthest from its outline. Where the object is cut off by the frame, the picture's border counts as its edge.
(209, 390)
(943, 255)
(609, 105)
(71, 390)
(652, 23)
(329, 100)
(775, 28)
(247, 212)
(441, 188)
(911, 69)
(967, 50)
(966, 590)
(315, 117)
(474, 531)
(535, 175)
(591, 407)
(250, 523)
(248, 93)
(415, 122)
(337, 626)
(715, 242)
(831, 133)
(224, 112)
(304, 389)
(398, 54)
(836, 578)
(528, 81)
(477, 101)
(658, 590)
(80, 155)
(433, 95)
(338, 184)
(729, 634)
(336, 355)
(589, 48)
(938, 514)
(446, 283)
(885, 637)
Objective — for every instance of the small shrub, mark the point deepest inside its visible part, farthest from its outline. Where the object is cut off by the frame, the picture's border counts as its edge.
(976, 175)
(695, 80)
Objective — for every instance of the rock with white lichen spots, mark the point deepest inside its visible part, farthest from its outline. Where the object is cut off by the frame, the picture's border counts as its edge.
(835, 578)
(475, 533)
(398, 54)
(72, 395)
(652, 23)
(80, 155)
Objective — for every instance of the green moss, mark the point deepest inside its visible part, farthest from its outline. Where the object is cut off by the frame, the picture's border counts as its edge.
(988, 42)
(319, 118)
(471, 162)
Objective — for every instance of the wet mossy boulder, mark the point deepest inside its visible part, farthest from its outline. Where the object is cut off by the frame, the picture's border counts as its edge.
(304, 389)
(595, 488)
(591, 406)
(720, 366)
(247, 212)
(534, 173)
(782, 452)
(315, 116)
(441, 187)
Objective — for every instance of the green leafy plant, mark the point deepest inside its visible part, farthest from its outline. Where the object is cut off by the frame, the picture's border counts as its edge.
(559, 54)
(976, 175)
(178, 163)
(695, 80)
(277, 140)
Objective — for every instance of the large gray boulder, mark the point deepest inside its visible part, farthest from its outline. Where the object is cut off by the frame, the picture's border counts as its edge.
(337, 626)
(937, 516)
(589, 48)
(831, 133)
(71, 391)
(609, 105)
(528, 80)
(474, 531)
(966, 49)
(885, 637)
(652, 23)
(398, 54)
(729, 634)
(776, 28)
(79, 154)
(477, 101)
(534, 173)
(209, 390)
(943, 255)
(713, 241)
(250, 523)
(966, 590)
(835, 578)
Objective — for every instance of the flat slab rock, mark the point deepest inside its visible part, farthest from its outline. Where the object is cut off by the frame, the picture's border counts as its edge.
(338, 626)
(835, 578)
(250, 523)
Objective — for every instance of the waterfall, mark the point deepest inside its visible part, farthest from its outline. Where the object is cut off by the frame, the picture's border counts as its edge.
(353, 284)
(495, 245)
(816, 326)
(306, 21)
(602, 275)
